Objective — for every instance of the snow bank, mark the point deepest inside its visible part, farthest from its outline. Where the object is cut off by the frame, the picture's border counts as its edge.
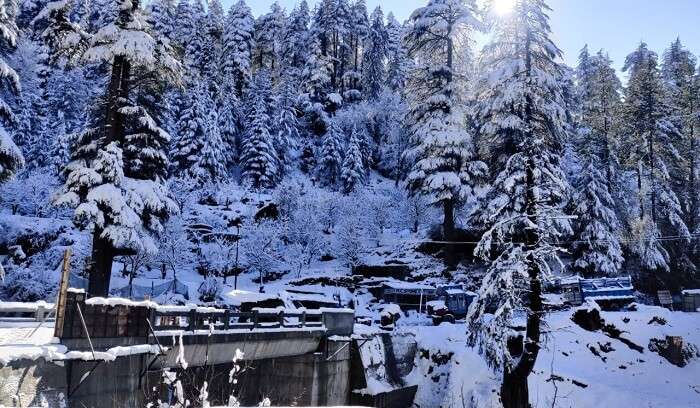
(59, 352)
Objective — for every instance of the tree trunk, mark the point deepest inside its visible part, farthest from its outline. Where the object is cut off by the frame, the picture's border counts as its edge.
(652, 178)
(101, 266)
(103, 250)
(514, 391)
(448, 229)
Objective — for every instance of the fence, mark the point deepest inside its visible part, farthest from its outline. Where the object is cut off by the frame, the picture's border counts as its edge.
(26, 312)
(114, 317)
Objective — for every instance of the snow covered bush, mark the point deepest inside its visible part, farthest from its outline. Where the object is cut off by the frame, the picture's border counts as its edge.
(26, 285)
(30, 193)
(210, 289)
(350, 241)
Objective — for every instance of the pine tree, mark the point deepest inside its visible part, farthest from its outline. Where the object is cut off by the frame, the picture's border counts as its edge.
(269, 29)
(161, 17)
(191, 130)
(212, 52)
(211, 166)
(373, 70)
(683, 93)
(650, 137)
(597, 249)
(330, 26)
(11, 158)
(330, 159)
(353, 171)
(357, 32)
(295, 44)
(122, 205)
(238, 47)
(286, 124)
(398, 65)
(442, 152)
(259, 160)
(519, 98)
(186, 25)
(316, 80)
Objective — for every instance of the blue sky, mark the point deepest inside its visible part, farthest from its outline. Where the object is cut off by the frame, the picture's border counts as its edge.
(616, 25)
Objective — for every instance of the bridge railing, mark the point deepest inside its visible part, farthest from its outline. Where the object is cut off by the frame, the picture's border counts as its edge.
(164, 318)
(26, 311)
(116, 317)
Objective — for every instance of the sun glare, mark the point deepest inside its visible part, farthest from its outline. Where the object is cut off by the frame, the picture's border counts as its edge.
(503, 7)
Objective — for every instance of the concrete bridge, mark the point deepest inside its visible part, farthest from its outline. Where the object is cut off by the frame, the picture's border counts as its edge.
(114, 352)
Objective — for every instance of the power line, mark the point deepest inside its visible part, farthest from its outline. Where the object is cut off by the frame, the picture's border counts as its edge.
(666, 238)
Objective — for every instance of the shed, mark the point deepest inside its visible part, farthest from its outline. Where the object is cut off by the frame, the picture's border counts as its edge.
(408, 295)
(691, 300)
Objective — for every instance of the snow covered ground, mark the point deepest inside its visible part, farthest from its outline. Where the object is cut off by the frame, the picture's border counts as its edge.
(568, 373)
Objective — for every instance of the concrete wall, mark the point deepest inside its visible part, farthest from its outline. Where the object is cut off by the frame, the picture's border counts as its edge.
(221, 348)
(28, 383)
(318, 379)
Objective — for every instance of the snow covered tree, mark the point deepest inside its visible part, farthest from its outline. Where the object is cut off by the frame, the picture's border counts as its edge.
(442, 151)
(211, 163)
(682, 85)
(11, 158)
(295, 44)
(191, 130)
(269, 29)
(285, 122)
(597, 249)
(357, 32)
(650, 138)
(330, 26)
(519, 98)
(329, 161)
(213, 44)
(352, 172)
(186, 25)
(373, 68)
(161, 16)
(259, 160)
(398, 65)
(316, 80)
(124, 204)
(238, 47)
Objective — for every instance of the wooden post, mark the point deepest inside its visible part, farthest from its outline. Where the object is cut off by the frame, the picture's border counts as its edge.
(227, 319)
(62, 293)
(192, 320)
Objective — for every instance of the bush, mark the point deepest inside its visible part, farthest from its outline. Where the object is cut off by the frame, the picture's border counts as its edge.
(23, 285)
(210, 289)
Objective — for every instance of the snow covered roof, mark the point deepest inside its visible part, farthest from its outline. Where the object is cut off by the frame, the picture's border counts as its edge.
(236, 297)
(311, 297)
(407, 285)
(691, 292)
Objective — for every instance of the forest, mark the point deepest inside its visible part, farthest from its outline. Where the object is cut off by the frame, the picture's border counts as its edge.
(175, 138)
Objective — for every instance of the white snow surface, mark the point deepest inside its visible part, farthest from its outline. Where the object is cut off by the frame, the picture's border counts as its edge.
(628, 378)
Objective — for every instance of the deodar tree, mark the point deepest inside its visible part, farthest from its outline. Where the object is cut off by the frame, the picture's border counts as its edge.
(445, 168)
(11, 158)
(520, 104)
(118, 192)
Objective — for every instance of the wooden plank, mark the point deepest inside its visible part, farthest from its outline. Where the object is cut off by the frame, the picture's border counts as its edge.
(62, 292)
(665, 297)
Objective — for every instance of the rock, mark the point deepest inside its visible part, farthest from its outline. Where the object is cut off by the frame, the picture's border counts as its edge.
(674, 350)
(269, 211)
